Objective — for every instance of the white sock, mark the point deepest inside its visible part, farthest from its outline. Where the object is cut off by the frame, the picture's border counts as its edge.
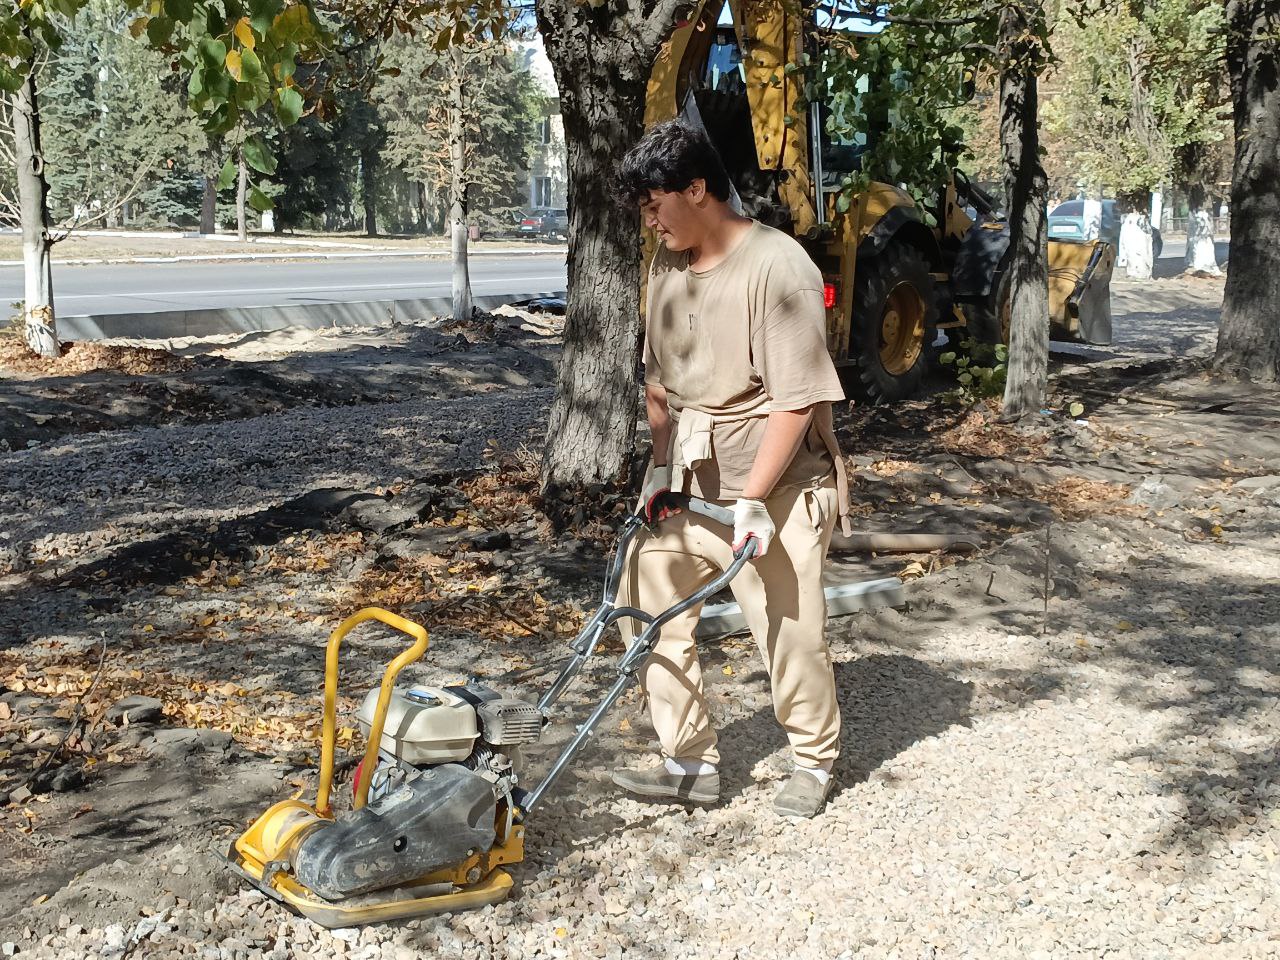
(823, 772)
(689, 767)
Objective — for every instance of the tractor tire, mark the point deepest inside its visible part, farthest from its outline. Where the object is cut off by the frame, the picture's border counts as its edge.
(893, 325)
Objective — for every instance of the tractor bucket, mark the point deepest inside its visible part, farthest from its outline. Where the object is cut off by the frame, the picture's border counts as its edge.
(1080, 290)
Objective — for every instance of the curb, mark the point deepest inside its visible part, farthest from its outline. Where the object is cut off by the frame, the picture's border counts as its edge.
(170, 324)
(360, 255)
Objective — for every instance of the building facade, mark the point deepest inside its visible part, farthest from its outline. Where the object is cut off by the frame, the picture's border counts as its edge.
(548, 186)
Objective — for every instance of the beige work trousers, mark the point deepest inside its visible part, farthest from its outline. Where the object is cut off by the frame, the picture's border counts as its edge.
(784, 606)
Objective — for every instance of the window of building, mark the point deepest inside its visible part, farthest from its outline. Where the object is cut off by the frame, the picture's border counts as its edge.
(542, 191)
(546, 129)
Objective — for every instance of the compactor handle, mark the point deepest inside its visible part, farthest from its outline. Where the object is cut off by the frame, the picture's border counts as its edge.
(683, 501)
(712, 511)
(330, 728)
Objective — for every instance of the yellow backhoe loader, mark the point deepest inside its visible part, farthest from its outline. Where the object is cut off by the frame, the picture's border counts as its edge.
(891, 281)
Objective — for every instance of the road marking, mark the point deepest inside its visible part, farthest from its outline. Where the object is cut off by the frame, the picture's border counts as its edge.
(246, 291)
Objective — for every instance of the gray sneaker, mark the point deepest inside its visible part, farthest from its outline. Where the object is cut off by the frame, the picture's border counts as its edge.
(658, 782)
(801, 796)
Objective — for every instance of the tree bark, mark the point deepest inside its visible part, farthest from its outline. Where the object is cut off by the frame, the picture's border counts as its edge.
(462, 306)
(33, 199)
(1136, 247)
(369, 190)
(1200, 254)
(1249, 336)
(1026, 187)
(242, 190)
(602, 59)
(209, 206)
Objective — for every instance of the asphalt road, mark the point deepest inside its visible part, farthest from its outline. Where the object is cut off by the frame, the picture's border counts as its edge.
(151, 287)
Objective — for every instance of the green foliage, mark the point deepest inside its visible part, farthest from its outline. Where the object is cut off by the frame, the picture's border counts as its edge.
(980, 369)
(1138, 90)
(259, 156)
(288, 106)
(112, 114)
(318, 160)
(227, 175)
(414, 109)
(171, 198)
(259, 200)
(234, 58)
(896, 92)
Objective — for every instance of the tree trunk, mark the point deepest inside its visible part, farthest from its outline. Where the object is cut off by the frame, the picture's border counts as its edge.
(602, 80)
(1136, 247)
(33, 199)
(462, 307)
(369, 190)
(1026, 188)
(242, 190)
(1249, 336)
(1200, 255)
(420, 194)
(209, 206)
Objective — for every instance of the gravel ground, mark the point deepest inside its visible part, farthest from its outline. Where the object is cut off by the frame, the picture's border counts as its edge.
(1091, 775)
(1106, 789)
(104, 490)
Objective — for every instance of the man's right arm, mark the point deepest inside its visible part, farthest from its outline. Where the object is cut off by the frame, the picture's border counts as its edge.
(655, 403)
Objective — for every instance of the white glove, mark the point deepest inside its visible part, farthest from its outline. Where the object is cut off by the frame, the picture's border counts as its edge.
(658, 481)
(751, 519)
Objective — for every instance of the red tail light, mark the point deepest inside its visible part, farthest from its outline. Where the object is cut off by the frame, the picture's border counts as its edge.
(828, 295)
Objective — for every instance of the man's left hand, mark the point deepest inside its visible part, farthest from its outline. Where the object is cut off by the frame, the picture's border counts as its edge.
(751, 519)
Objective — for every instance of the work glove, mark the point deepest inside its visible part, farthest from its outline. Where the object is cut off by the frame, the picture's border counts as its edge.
(751, 519)
(658, 482)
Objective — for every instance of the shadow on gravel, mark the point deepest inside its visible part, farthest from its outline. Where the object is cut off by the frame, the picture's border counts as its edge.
(887, 703)
(174, 556)
(1210, 670)
(1199, 647)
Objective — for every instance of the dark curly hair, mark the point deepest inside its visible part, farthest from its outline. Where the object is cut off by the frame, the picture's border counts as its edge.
(670, 156)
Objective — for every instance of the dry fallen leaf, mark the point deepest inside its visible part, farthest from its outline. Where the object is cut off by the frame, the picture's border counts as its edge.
(728, 670)
(912, 571)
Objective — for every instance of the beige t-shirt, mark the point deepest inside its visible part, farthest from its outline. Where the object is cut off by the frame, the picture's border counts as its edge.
(746, 337)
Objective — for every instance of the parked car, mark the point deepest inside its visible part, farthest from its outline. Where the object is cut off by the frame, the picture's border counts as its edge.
(547, 224)
(1066, 222)
(496, 226)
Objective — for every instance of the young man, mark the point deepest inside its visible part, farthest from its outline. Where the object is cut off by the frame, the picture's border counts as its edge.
(738, 388)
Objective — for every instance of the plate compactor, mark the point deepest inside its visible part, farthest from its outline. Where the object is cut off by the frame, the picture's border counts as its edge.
(438, 804)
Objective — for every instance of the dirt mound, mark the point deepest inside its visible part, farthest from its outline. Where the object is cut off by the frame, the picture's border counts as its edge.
(78, 358)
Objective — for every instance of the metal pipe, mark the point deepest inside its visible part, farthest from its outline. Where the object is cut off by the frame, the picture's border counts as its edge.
(815, 149)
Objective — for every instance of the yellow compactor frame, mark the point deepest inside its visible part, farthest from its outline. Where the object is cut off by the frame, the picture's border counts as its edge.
(262, 853)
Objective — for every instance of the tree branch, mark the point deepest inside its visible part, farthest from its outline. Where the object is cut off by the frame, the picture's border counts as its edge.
(873, 13)
(659, 20)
